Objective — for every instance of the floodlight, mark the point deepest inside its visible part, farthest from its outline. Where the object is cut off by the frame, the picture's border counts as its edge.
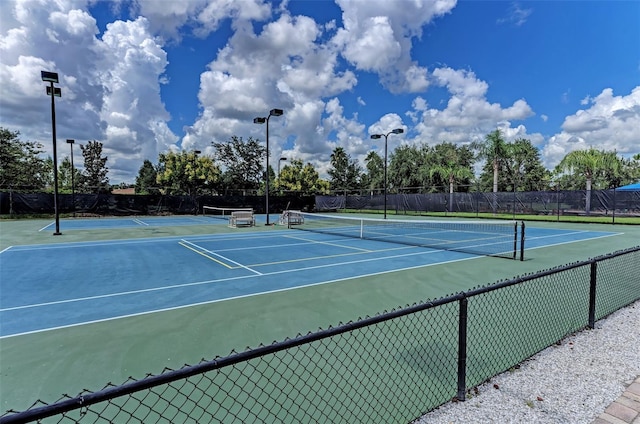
(49, 76)
(262, 120)
(56, 91)
(386, 136)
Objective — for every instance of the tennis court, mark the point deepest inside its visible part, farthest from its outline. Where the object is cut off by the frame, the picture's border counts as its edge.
(113, 298)
(88, 282)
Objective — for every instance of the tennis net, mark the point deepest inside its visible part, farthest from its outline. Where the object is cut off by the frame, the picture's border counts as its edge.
(222, 212)
(488, 238)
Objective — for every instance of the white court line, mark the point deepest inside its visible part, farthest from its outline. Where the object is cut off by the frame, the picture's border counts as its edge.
(208, 237)
(115, 242)
(195, 246)
(199, 283)
(173, 308)
(139, 221)
(328, 243)
(566, 242)
(45, 227)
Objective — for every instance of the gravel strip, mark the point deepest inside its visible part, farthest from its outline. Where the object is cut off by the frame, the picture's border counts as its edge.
(572, 382)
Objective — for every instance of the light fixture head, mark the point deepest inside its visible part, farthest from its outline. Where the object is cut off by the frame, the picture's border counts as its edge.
(49, 76)
(56, 91)
(70, 141)
(376, 136)
(398, 131)
(276, 112)
(259, 120)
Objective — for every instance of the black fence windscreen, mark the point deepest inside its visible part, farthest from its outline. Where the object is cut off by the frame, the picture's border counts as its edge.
(12, 203)
(561, 203)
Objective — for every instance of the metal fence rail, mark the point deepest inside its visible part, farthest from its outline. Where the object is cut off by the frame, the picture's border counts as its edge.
(392, 367)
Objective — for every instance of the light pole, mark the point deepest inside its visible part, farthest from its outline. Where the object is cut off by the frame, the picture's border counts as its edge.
(281, 159)
(52, 78)
(375, 137)
(73, 171)
(262, 120)
(278, 174)
(195, 180)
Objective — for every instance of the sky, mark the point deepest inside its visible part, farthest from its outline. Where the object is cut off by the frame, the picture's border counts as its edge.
(149, 76)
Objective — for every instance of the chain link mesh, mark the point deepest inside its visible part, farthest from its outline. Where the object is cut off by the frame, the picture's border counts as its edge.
(389, 368)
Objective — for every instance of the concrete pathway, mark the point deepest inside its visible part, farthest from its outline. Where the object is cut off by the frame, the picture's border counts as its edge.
(625, 409)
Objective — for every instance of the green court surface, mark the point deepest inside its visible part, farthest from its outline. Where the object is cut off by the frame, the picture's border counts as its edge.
(47, 364)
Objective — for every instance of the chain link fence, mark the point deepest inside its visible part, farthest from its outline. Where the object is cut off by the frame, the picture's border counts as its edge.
(558, 203)
(16, 204)
(390, 368)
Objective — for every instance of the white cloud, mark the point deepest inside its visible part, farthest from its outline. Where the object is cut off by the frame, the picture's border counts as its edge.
(610, 123)
(170, 18)
(468, 115)
(377, 37)
(296, 72)
(516, 15)
(110, 86)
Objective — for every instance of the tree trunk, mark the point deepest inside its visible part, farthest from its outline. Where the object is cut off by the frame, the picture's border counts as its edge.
(451, 194)
(494, 201)
(587, 208)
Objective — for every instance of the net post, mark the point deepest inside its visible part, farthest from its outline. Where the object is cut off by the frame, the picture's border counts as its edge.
(522, 233)
(362, 228)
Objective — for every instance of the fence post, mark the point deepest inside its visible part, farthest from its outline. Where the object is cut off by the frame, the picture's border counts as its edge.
(592, 293)
(522, 235)
(462, 348)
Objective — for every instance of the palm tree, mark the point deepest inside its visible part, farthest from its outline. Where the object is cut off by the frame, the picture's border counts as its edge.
(589, 163)
(452, 171)
(493, 149)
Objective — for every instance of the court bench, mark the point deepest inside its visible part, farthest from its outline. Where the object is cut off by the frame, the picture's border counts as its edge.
(295, 218)
(291, 218)
(242, 218)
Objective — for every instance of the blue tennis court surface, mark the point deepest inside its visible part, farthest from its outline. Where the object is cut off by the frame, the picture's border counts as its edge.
(134, 222)
(52, 286)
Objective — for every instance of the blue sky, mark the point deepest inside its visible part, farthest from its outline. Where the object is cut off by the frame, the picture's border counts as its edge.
(152, 75)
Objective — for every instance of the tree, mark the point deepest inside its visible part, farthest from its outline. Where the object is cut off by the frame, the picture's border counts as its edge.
(186, 173)
(523, 168)
(408, 167)
(303, 180)
(20, 165)
(345, 173)
(453, 166)
(630, 171)
(146, 181)
(494, 150)
(94, 178)
(242, 163)
(374, 178)
(65, 180)
(591, 164)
